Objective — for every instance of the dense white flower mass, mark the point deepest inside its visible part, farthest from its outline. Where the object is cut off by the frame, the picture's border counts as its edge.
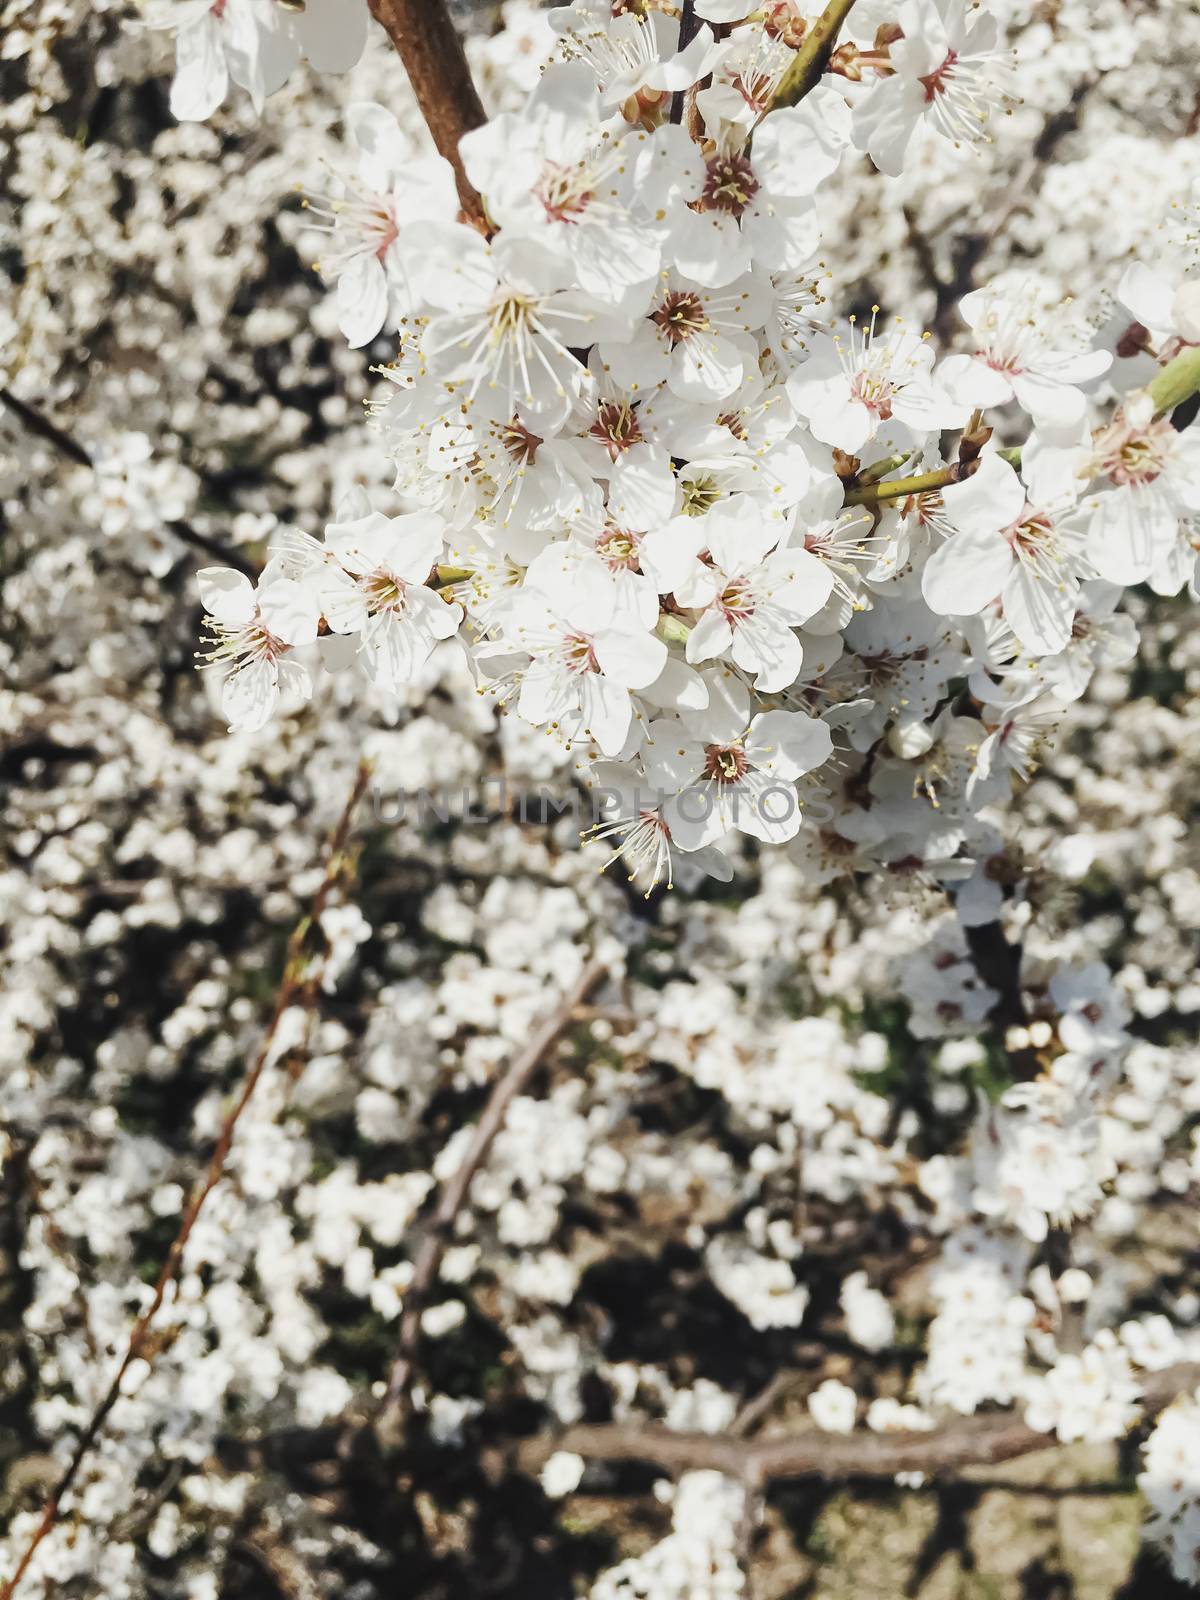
(805, 478)
(672, 540)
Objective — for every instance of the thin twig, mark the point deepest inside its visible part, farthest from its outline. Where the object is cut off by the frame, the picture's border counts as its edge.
(42, 426)
(429, 1259)
(298, 986)
(432, 52)
(831, 1457)
(687, 32)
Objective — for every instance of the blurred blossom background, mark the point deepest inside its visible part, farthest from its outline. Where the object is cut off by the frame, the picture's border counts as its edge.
(725, 1173)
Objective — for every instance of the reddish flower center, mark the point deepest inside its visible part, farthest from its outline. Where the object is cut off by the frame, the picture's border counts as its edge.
(725, 763)
(729, 184)
(935, 82)
(521, 444)
(618, 550)
(680, 315)
(616, 427)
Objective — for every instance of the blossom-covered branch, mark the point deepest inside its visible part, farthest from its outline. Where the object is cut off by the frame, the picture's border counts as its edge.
(831, 1457)
(509, 1085)
(298, 988)
(41, 425)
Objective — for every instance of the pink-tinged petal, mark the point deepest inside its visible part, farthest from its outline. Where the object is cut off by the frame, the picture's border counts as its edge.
(631, 658)
(362, 300)
(226, 595)
(201, 79)
(770, 650)
(249, 696)
(766, 807)
(432, 614)
(707, 367)
(670, 757)
(990, 499)
(788, 744)
(414, 543)
(1147, 296)
(694, 817)
(972, 382)
(885, 120)
(385, 149)
(1057, 405)
(711, 637)
(290, 610)
(642, 488)
(967, 573)
(1039, 611)
(606, 711)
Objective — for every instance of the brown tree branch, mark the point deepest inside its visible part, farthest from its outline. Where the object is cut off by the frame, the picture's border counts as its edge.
(42, 426)
(453, 1197)
(831, 1457)
(299, 986)
(432, 52)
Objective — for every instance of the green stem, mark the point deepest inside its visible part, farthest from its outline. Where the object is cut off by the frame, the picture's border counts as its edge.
(901, 488)
(924, 483)
(880, 469)
(1178, 381)
(813, 55)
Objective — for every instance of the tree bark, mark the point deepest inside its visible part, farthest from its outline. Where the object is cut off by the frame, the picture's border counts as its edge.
(432, 52)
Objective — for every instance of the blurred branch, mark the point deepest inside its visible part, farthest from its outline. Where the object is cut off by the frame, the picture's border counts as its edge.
(998, 963)
(453, 1197)
(429, 45)
(974, 1441)
(41, 425)
(298, 987)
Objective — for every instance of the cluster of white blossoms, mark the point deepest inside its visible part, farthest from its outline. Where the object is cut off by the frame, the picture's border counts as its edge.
(763, 568)
(1170, 1481)
(794, 1129)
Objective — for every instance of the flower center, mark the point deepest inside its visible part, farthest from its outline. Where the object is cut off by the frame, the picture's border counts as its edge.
(1031, 534)
(725, 763)
(521, 444)
(737, 427)
(616, 427)
(565, 192)
(579, 655)
(736, 600)
(510, 315)
(383, 592)
(1135, 456)
(700, 495)
(874, 391)
(934, 83)
(729, 184)
(680, 315)
(618, 550)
